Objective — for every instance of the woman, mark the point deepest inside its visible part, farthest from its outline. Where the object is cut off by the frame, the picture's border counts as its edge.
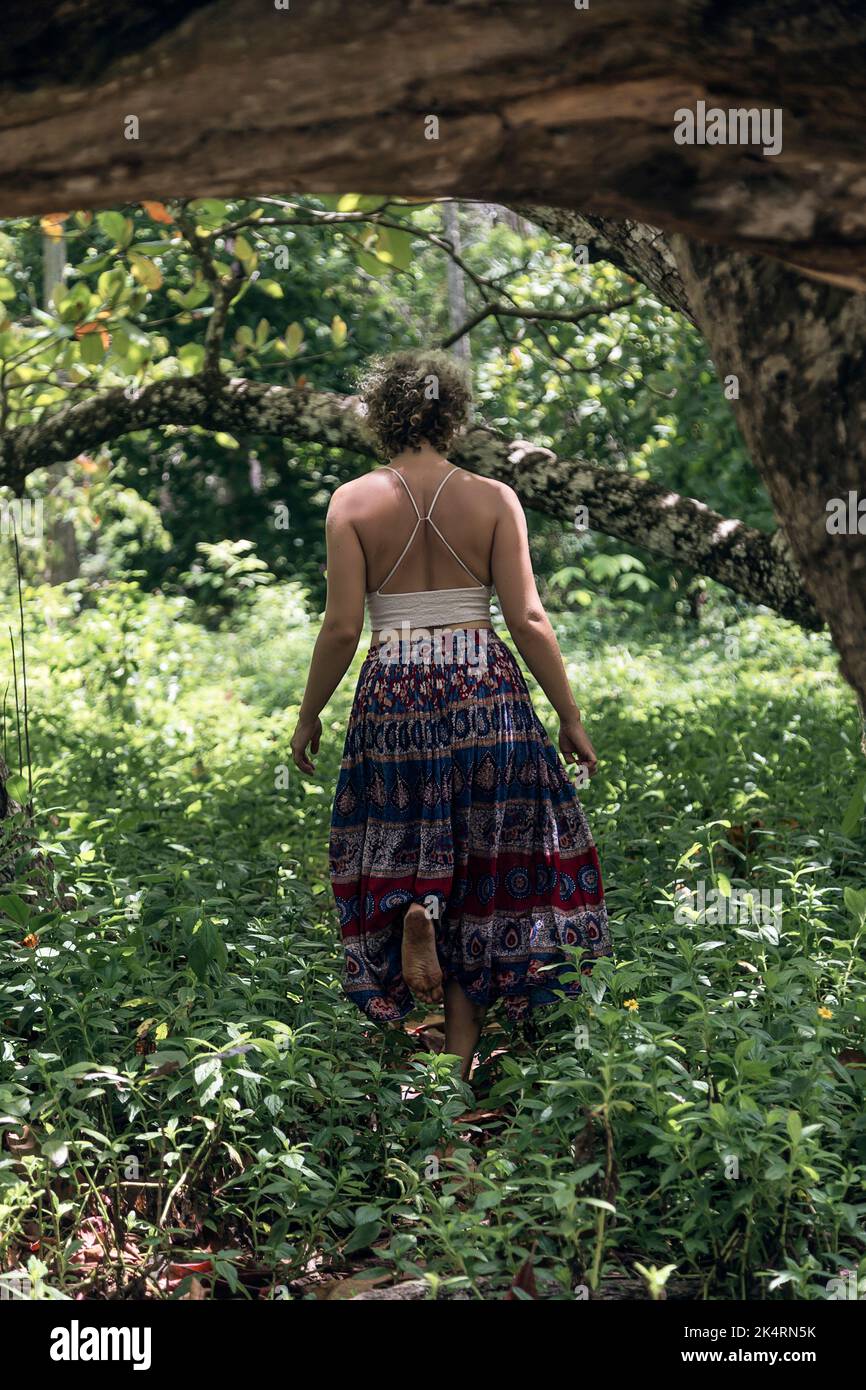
(460, 858)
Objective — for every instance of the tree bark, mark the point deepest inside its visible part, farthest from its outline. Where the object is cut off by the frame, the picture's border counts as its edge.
(457, 310)
(63, 558)
(105, 103)
(797, 349)
(748, 561)
(642, 252)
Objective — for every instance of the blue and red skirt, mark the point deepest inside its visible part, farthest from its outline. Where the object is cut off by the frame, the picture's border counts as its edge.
(451, 794)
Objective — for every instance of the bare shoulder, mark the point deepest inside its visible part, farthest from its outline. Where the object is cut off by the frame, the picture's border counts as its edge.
(505, 498)
(350, 498)
(490, 491)
(364, 488)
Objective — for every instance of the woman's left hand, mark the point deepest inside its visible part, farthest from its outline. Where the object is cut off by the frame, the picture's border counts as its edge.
(307, 731)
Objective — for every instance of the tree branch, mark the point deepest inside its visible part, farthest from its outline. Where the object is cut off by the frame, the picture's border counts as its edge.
(223, 288)
(509, 311)
(640, 251)
(748, 561)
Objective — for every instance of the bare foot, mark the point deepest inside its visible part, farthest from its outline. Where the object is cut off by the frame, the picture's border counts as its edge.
(421, 969)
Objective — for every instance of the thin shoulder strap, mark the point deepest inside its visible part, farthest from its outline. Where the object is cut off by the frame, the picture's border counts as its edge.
(437, 492)
(414, 528)
(429, 518)
(408, 489)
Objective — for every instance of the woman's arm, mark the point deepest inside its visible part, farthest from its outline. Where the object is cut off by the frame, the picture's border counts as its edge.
(529, 625)
(341, 627)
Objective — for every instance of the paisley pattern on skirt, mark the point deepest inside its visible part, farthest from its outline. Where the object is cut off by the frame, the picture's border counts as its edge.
(451, 794)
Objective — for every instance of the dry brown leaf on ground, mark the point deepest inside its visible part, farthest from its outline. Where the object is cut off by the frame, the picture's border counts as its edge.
(351, 1285)
(524, 1279)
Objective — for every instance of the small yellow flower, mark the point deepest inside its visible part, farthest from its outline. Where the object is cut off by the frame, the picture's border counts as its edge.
(825, 1013)
(631, 1005)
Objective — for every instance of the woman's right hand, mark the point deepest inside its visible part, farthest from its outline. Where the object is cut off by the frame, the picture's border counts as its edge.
(307, 732)
(575, 745)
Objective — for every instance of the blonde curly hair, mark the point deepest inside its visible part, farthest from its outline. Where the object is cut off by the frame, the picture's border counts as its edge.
(416, 395)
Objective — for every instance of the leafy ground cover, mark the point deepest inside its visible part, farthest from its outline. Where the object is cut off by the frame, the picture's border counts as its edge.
(191, 1108)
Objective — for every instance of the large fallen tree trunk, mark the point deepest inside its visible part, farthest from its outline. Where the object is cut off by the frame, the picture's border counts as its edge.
(797, 350)
(506, 100)
(748, 561)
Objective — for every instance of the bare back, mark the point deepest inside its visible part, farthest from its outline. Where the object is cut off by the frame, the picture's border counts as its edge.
(382, 547)
(465, 512)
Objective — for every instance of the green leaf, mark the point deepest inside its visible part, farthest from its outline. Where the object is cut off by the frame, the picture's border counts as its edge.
(114, 224)
(724, 884)
(207, 949)
(15, 908)
(209, 211)
(57, 1150)
(73, 305)
(585, 1173)
(338, 331)
(245, 253)
(294, 337)
(362, 1236)
(155, 248)
(146, 272)
(270, 287)
(794, 1126)
(372, 264)
(91, 349)
(855, 898)
(359, 202)
(689, 854)
(208, 1074)
(395, 247)
(191, 355)
(17, 788)
(854, 809)
(111, 285)
(192, 298)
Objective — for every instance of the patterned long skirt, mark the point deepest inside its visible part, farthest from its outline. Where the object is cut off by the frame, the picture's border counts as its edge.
(451, 794)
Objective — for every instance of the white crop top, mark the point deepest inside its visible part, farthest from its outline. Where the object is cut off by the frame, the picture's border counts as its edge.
(429, 607)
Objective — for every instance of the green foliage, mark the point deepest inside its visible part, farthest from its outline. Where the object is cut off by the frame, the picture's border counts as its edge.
(199, 1091)
(632, 389)
(225, 579)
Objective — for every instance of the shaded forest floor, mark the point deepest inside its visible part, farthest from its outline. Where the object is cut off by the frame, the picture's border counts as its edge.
(191, 1109)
